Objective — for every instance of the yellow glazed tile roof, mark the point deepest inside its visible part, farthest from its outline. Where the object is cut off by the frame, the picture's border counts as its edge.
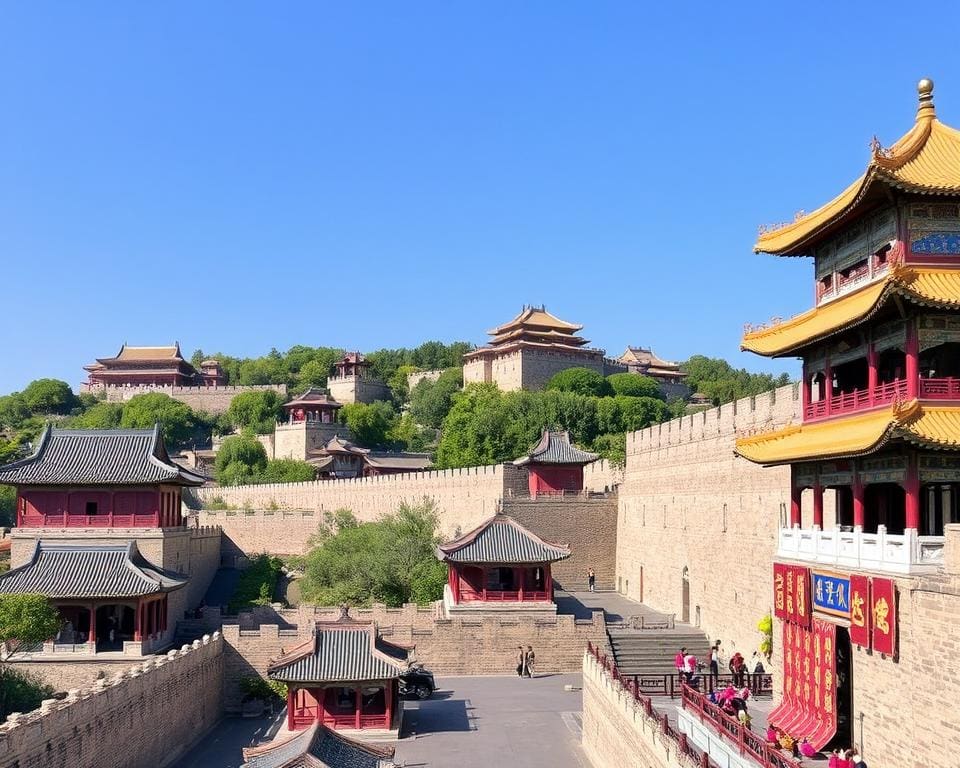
(931, 287)
(926, 159)
(535, 316)
(933, 427)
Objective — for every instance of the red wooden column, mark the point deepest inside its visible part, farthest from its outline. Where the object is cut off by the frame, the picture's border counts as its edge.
(804, 391)
(291, 697)
(795, 495)
(911, 486)
(872, 371)
(359, 705)
(828, 385)
(548, 581)
(818, 502)
(137, 633)
(859, 493)
(92, 636)
(483, 575)
(388, 699)
(518, 580)
(913, 360)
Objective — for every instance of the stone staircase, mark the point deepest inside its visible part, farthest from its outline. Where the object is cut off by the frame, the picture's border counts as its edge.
(651, 652)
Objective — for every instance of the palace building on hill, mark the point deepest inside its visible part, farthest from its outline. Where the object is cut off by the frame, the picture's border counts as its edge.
(529, 350)
(151, 366)
(880, 425)
(644, 362)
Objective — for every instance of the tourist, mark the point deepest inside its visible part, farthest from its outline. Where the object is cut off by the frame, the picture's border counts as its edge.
(678, 662)
(714, 658)
(855, 760)
(806, 748)
(772, 736)
(591, 579)
(690, 665)
(521, 659)
(737, 668)
(528, 660)
(756, 664)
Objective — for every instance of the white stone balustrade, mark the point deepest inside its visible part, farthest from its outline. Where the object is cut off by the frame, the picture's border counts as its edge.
(906, 553)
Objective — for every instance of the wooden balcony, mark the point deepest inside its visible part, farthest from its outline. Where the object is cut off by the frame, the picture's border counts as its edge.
(883, 394)
(65, 520)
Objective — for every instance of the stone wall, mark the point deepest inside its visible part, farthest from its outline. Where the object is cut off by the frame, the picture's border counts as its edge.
(601, 475)
(298, 440)
(618, 732)
(417, 376)
(150, 715)
(588, 524)
(213, 400)
(357, 389)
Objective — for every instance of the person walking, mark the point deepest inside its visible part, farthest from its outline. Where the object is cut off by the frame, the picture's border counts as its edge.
(737, 669)
(529, 659)
(591, 579)
(714, 659)
(521, 658)
(679, 661)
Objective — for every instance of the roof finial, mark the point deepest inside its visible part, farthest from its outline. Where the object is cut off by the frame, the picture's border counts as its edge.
(925, 91)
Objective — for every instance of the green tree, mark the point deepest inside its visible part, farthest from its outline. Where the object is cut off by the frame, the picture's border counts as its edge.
(721, 382)
(313, 374)
(640, 412)
(21, 691)
(370, 423)
(430, 401)
(257, 411)
(25, 620)
(48, 396)
(176, 419)
(398, 382)
(287, 471)
(635, 385)
(477, 430)
(580, 381)
(8, 506)
(241, 459)
(13, 410)
(99, 416)
(612, 447)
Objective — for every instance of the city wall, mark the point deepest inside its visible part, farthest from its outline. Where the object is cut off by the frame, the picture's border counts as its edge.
(152, 712)
(213, 400)
(601, 476)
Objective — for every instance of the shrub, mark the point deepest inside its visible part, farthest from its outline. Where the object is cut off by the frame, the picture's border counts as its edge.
(581, 381)
(635, 385)
(256, 584)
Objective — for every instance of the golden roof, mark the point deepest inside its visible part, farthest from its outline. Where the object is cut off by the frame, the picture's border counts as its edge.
(149, 353)
(537, 317)
(857, 435)
(920, 285)
(925, 160)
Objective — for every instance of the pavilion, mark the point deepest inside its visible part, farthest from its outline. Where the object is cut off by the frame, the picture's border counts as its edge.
(318, 747)
(151, 366)
(340, 458)
(313, 405)
(555, 465)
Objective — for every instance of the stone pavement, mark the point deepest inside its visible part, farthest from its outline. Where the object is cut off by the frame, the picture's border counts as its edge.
(222, 747)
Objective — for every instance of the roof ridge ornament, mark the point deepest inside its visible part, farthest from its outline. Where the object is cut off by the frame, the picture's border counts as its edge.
(925, 108)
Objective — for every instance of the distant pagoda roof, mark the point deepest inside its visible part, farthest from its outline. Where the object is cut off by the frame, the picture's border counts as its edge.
(929, 287)
(929, 427)
(341, 651)
(407, 462)
(318, 747)
(130, 355)
(98, 457)
(926, 160)
(555, 448)
(644, 357)
(72, 571)
(534, 326)
(501, 539)
(354, 358)
(312, 398)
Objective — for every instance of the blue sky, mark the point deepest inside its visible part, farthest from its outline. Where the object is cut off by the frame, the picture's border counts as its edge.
(243, 176)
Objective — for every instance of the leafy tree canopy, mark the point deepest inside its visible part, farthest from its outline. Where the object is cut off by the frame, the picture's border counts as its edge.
(580, 381)
(371, 423)
(49, 396)
(390, 560)
(177, 419)
(25, 620)
(257, 411)
(635, 385)
(21, 691)
(430, 401)
(287, 471)
(99, 416)
(721, 382)
(8, 504)
(241, 458)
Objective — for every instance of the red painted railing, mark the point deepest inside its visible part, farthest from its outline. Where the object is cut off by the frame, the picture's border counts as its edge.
(940, 389)
(502, 596)
(858, 400)
(64, 520)
(731, 730)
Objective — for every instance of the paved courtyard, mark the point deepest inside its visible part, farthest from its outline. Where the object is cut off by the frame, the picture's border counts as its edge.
(467, 724)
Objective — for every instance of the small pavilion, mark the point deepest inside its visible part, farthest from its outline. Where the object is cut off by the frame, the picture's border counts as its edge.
(351, 364)
(500, 562)
(555, 465)
(344, 677)
(312, 405)
(318, 747)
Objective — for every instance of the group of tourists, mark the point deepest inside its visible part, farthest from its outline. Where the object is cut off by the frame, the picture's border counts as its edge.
(688, 666)
(733, 701)
(839, 758)
(525, 661)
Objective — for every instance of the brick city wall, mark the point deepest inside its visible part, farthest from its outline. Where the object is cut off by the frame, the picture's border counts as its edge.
(587, 524)
(213, 400)
(616, 730)
(686, 502)
(601, 475)
(149, 715)
(357, 389)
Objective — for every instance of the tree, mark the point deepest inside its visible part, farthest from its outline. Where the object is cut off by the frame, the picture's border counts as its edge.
(257, 411)
(13, 410)
(313, 374)
(371, 424)
(21, 691)
(8, 506)
(721, 382)
(25, 620)
(287, 471)
(99, 416)
(176, 419)
(390, 560)
(477, 430)
(241, 459)
(430, 401)
(581, 381)
(635, 385)
(48, 396)
(398, 383)
(612, 447)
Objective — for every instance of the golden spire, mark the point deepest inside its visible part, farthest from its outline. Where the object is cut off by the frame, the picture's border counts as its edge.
(925, 108)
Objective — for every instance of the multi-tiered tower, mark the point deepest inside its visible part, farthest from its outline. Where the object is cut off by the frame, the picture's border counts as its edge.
(880, 428)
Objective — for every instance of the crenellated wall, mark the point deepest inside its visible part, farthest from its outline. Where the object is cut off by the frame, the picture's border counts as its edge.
(151, 712)
(601, 475)
(213, 400)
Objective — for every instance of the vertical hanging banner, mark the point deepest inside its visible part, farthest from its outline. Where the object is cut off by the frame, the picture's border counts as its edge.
(801, 595)
(789, 610)
(780, 590)
(860, 611)
(883, 615)
(827, 710)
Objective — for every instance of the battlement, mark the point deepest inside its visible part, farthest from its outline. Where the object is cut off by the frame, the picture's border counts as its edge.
(208, 399)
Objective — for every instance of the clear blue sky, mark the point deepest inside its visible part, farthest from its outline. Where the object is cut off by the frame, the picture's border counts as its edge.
(243, 176)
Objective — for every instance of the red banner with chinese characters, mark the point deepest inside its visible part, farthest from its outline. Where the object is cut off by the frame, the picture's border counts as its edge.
(789, 609)
(883, 615)
(860, 611)
(801, 595)
(780, 590)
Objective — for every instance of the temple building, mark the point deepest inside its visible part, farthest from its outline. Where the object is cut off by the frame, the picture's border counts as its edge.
(529, 350)
(352, 381)
(554, 465)
(318, 747)
(88, 502)
(311, 421)
(344, 678)
(880, 428)
(499, 565)
(340, 458)
(644, 362)
(151, 367)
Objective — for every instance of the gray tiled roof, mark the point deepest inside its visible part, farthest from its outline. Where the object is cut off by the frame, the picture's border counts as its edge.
(556, 448)
(342, 652)
(501, 539)
(71, 571)
(98, 457)
(319, 747)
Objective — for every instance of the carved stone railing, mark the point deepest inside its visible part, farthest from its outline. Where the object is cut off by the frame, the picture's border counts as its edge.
(905, 553)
